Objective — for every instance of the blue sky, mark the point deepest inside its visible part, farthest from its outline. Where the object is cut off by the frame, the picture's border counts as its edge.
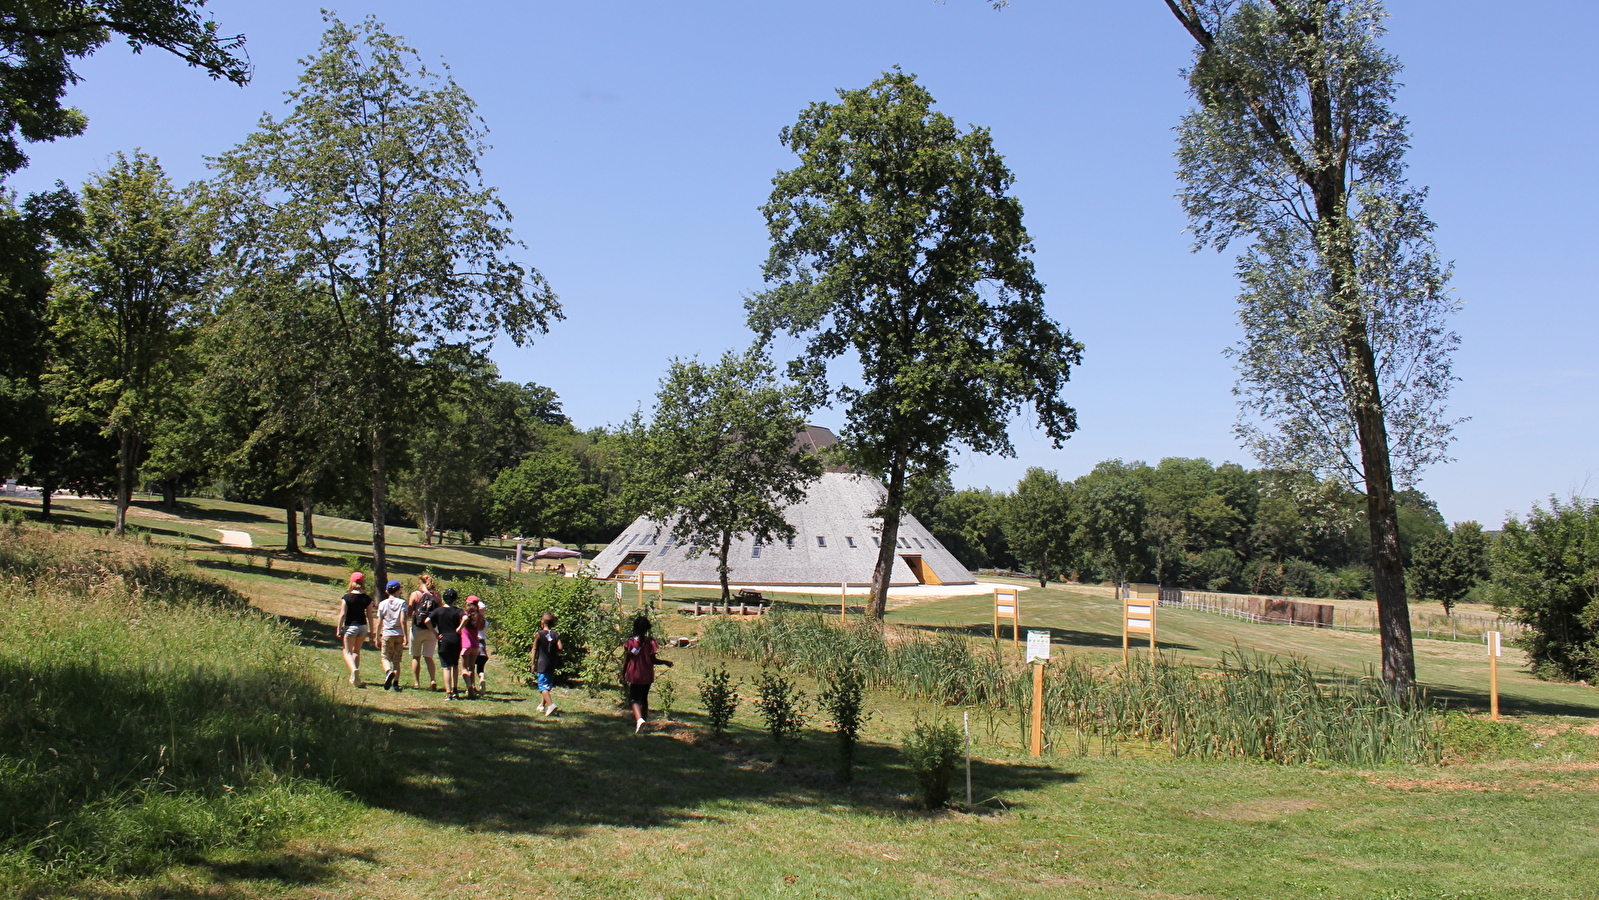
(635, 141)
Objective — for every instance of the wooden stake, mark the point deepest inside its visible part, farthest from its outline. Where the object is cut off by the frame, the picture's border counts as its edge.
(843, 602)
(1038, 708)
(966, 721)
(1494, 639)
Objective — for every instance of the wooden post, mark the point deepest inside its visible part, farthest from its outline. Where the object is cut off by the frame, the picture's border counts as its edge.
(1007, 605)
(1038, 655)
(1495, 647)
(966, 723)
(1037, 748)
(843, 603)
(519, 556)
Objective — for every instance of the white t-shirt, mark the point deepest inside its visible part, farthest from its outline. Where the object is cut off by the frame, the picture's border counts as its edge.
(392, 613)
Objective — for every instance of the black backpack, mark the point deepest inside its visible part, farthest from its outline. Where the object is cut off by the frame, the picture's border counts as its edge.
(424, 610)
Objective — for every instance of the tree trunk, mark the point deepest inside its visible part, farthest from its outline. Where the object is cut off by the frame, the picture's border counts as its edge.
(291, 534)
(1387, 563)
(1043, 571)
(380, 507)
(893, 507)
(169, 495)
(722, 567)
(45, 491)
(307, 529)
(124, 478)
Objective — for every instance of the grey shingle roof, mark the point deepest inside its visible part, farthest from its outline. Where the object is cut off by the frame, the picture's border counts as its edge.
(837, 510)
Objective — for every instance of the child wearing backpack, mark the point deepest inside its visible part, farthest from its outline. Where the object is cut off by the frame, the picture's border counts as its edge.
(424, 639)
(638, 669)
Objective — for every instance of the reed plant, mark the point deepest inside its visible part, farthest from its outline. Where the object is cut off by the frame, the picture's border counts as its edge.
(151, 717)
(1250, 707)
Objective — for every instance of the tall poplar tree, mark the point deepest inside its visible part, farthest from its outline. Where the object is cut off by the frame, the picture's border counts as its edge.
(1294, 149)
(368, 193)
(895, 241)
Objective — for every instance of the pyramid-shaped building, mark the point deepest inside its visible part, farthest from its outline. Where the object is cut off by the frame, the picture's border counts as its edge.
(836, 541)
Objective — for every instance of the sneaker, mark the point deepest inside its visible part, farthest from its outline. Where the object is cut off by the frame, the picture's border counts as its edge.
(639, 728)
(550, 711)
(542, 709)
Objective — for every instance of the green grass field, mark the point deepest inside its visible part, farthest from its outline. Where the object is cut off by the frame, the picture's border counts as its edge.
(489, 798)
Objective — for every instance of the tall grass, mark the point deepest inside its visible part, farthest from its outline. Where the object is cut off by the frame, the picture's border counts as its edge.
(1264, 708)
(151, 716)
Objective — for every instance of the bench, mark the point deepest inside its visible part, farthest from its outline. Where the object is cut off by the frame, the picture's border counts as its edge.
(731, 609)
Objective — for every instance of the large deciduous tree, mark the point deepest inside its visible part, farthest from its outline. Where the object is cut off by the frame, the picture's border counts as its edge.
(29, 233)
(895, 241)
(1446, 565)
(40, 40)
(124, 308)
(1108, 512)
(369, 194)
(1037, 520)
(719, 461)
(1294, 148)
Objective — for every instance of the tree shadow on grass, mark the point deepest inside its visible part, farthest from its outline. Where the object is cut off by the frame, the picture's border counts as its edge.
(1512, 704)
(513, 773)
(257, 873)
(1061, 636)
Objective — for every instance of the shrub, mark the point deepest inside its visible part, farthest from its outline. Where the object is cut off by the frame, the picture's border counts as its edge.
(843, 702)
(782, 706)
(516, 607)
(720, 698)
(666, 695)
(1547, 570)
(933, 750)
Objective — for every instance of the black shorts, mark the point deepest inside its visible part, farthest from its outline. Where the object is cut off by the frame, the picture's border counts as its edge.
(481, 659)
(449, 653)
(638, 693)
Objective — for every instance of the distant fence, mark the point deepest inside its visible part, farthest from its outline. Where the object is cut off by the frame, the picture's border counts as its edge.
(1282, 611)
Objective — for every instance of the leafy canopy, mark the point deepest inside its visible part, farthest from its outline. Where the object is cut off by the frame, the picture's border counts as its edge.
(895, 240)
(40, 40)
(719, 460)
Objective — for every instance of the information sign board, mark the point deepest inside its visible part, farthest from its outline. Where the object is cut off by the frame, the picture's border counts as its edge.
(1037, 646)
(1008, 605)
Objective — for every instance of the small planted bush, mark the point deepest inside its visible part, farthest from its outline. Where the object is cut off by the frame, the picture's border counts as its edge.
(843, 702)
(719, 696)
(933, 750)
(782, 706)
(666, 695)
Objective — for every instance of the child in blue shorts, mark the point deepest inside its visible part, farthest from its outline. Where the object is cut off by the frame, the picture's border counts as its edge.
(546, 659)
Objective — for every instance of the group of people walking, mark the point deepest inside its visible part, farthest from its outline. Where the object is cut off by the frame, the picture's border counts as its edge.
(428, 623)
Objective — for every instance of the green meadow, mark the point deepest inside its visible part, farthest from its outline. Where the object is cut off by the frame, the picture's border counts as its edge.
(177, 726)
